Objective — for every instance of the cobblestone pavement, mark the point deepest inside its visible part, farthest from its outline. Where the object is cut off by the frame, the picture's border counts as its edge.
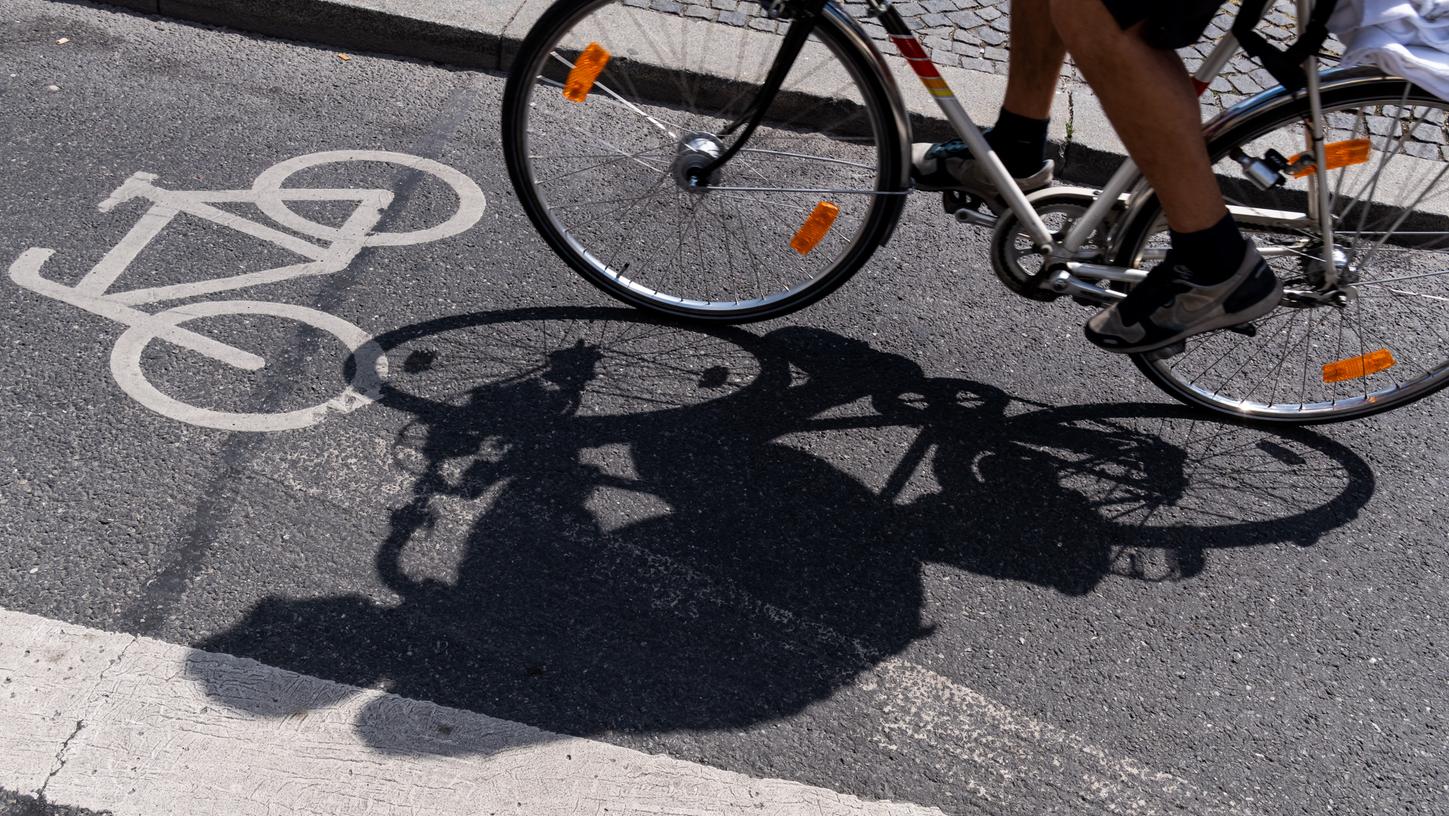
(973, 34)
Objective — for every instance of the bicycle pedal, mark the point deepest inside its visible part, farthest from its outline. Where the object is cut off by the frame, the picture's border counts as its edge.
(953, 200)
(1167, 351)
(976, 218)
(968, 208)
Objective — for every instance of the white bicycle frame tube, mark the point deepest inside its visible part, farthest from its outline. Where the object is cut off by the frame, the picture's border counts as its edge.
(1127, 174)
(1005, 184)
(920, 62)
(1319, 204)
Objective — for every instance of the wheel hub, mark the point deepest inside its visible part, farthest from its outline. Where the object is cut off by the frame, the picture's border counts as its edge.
(696, 151)
(1315, 269)
(1312, 289)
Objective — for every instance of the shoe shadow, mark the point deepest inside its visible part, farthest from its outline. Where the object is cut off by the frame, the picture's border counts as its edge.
(666, 529)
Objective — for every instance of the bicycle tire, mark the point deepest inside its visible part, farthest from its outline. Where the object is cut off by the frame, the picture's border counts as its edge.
(842, 39)
(1380, 93)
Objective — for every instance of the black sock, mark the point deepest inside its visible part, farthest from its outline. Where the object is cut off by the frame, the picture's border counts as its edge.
(1211, 255)
(1020, 141)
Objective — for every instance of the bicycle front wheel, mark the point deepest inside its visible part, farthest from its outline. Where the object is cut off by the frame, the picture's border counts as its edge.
(611, 104)
(1371, 332)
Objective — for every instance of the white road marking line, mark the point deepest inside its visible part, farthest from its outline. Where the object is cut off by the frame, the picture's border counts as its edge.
(1006, 757)
(364, 388)
(337, 249)
(1002, 755)
(120, 723)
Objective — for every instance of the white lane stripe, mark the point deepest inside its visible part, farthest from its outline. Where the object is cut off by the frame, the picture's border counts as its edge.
(1009, 759)
(119, 723)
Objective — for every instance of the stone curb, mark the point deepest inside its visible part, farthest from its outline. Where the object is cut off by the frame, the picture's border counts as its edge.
(381, 26)
(484, 34)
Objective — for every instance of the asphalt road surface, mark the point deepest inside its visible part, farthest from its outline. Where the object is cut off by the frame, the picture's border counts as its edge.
(917, 543)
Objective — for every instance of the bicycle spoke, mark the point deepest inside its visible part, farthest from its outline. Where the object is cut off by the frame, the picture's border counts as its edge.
(624, 207)
(755, 151)
(622, 101)
(602, 164)
(1403, 278)
(1392, 278)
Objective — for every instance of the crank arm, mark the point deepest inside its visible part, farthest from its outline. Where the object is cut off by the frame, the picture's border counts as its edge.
(1103, 272)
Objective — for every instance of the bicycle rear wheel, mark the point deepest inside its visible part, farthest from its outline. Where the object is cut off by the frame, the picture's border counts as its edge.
(1379, 338)
(605, 180)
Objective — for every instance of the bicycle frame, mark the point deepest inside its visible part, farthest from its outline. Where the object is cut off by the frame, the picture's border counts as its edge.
(1126, 178)
(1075, 274)
(1270, 164)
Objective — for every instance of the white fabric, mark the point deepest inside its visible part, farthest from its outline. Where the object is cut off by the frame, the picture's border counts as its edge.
(1408, 38)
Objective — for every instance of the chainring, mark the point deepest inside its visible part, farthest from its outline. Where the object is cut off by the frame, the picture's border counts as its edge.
(1012, 245)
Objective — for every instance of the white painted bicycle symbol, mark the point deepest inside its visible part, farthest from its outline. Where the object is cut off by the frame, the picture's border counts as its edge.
(328, 250)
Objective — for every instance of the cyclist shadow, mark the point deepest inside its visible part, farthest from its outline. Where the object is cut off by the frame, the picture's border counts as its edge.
(700, 566)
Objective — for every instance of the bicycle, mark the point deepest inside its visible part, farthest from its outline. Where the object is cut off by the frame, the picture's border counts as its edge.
(327, 250)
(741, 172)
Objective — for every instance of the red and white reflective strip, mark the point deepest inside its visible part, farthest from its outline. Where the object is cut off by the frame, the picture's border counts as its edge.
(911, 49)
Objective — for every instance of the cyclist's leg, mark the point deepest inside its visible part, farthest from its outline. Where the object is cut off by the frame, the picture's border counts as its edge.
(1124, 49)
(1019, 135)
(1148, 95)
(1035, 63)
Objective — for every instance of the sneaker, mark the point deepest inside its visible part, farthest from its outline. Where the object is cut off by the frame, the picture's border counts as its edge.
(950, 166)
(1168, 306)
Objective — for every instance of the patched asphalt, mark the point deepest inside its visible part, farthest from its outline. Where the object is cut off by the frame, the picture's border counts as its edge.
(725, 545)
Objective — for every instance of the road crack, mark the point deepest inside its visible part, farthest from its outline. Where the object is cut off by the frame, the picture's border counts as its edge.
(59, 760)
(60, 754)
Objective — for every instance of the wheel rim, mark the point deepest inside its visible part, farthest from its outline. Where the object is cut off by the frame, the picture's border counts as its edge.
(1314, 358)
(610, 176)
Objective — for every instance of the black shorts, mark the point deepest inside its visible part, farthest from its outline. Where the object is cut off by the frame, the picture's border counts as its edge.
(1168, 23)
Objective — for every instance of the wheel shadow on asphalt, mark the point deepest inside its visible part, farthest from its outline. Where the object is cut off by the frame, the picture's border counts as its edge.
(667, 529)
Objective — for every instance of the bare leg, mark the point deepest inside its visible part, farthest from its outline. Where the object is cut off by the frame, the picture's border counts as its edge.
(1037, 53)
(1019, 135)
(1148, 96)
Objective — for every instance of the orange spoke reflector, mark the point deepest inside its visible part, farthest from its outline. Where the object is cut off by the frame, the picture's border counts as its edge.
(1356, 368)
(812, 232)
(1338, 154)
(585, 71)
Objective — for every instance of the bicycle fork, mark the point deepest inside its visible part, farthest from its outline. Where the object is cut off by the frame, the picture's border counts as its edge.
(803, 15)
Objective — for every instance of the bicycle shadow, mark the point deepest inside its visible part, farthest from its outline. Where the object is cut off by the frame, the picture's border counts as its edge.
(710, 564)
